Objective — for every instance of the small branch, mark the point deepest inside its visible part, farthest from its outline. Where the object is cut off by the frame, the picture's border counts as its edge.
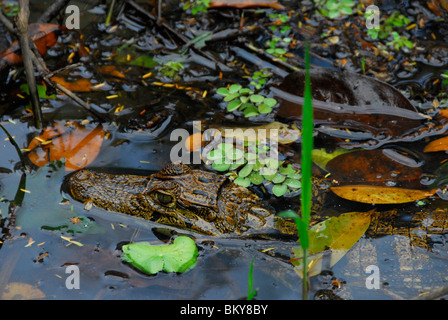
(22, 27)
(52, 11)
(8, 24)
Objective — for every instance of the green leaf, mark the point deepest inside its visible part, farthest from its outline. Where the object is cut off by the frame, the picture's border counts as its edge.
(246, 170)
(233, 105)
(250, 111)
(332, 5)
(245, 91)
(231, 96)
(256, 178)
(256, 98)
(220, 166)
(234, 88)
(270, 102)
(333, 14)
(279, 178)
(263, 108)
(347, 3)
(346, 10)
(179, 256)
(235, 154)
(222, 91)
(279, 189)
(287, 170)
(215, 154)
(293, 183)
(244, 182)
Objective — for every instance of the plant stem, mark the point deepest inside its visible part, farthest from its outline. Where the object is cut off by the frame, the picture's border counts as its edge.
(307, 148)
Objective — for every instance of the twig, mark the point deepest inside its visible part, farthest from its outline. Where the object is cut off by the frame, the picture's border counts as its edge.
(22, 27)
(181, 37)
(53, 10)
(8, 24)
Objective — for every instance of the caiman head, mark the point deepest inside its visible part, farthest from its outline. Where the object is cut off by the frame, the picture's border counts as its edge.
(177, 195)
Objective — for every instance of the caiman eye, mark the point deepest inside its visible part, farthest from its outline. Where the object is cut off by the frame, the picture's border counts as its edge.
(163, 198)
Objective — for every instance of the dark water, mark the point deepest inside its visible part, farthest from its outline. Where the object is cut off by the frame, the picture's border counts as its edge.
(34, 252)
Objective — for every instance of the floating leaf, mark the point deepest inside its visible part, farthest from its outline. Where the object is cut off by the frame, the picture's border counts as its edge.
(78, 85)
(233, 105)
(380, 195)
(77, 144)
(250, 111)
(179, 256)
(246, 170)
(293, 183)
(222, 91)
(279, 189)
(330, 240)
(244, 182)
(321, 156)
(256, 178)
(194, 142)
(437, 145)
(234, 88)
(21, 291)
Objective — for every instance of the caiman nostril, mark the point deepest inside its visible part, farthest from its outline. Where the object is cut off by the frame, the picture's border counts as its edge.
(82, 175)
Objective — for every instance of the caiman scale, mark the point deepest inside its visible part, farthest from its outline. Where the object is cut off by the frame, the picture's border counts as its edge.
(178, 196)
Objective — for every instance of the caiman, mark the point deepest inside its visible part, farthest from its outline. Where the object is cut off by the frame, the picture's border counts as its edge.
(211, 204)
(179, 196)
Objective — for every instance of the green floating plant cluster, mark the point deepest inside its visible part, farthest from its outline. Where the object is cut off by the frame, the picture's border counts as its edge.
(390, 27)
(254, 167)
(244, 99)
(282, 18)
(259, 78)
(196, 6)
(333, 9)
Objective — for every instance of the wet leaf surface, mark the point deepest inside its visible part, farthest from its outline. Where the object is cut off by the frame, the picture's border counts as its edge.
(77, 144)
(330, 240)
(380, 195)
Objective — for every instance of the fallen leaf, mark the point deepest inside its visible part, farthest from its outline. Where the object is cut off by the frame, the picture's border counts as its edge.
(78, 85)
(376, 167)
(380, 195)
(194, 142)
(246, 4)
(330, 240)
(44, 37)
(437, 145)
(321, 156)
(78, 145)
(21, 291)
(111, 70)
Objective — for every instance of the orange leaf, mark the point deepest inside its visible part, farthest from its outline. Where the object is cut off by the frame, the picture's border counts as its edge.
(444, 112)
(194, 142)
(437, 145)
(246, 3)
(43, 35)
(111, 71)
(380, 195)
(79, 85)
(77, 144)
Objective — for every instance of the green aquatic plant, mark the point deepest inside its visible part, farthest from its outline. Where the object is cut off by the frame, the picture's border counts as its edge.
(171, 69)
(196, 6)
(259, 78)
(399, 41)
(282, 18)
(333, 9)
(276, 47)
(251, 293)
(246, 100)
(253, 166)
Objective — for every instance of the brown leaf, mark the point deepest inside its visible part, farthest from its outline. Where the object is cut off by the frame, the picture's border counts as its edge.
(349, 106)
(194, 142)
(77, 144)
(111, 71)
(380, 195)
(246, 4)
(374, 167)
(79, 85)
(21, 291)
(44, 37)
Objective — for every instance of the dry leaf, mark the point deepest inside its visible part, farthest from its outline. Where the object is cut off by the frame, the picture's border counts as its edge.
(111, 71)
(437, 145)
(77, 144)
(380, 195)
